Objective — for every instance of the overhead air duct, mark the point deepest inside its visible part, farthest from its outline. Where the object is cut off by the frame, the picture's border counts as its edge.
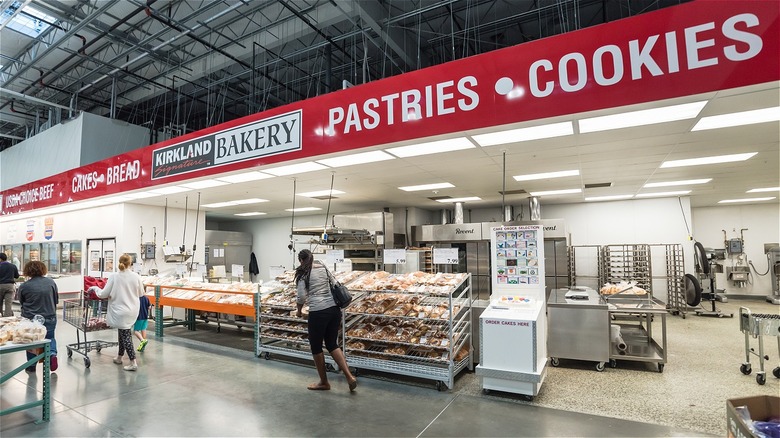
(535, 208)
(509, 213)
(445, 216)
(458, 218)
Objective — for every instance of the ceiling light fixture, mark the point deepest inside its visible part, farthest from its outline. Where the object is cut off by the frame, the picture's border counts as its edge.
(738, 119)
(433, 147)
(205, 184)
(609, 198)
(421, 187)
(296, 210)
(661, 194)
(525, 134)
(765, 189)
(244, 177)
(293, 169)
(678, 183)
(556, 192)
(220, 204)
(361, 158)
(251, 213)
(731, 201)
(169, 190)
(249, 201)
(321, 193)
(708, 160)
(642, 117)
(465, 199)
(546, 175)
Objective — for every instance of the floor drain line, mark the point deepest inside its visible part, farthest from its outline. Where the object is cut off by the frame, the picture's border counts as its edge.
(437, 416)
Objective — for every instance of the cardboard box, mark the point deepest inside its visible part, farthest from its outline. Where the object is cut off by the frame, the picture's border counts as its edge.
(761, 408)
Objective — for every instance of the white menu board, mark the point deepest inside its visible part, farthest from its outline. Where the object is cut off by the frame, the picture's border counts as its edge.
(517, 259)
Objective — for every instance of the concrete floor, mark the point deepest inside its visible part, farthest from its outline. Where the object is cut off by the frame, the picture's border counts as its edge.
(186, 386)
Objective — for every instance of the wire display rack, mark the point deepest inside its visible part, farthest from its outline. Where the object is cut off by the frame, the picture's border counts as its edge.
(628, 263)
(87, 315)
(675, 272)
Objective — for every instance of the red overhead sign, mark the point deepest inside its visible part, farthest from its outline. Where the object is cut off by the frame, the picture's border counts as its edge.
(696, 47)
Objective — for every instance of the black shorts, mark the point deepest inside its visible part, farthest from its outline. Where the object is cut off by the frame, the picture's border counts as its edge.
(324, 326)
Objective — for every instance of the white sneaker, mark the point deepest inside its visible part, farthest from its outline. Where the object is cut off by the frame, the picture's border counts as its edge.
(118, 360)
(130, 367)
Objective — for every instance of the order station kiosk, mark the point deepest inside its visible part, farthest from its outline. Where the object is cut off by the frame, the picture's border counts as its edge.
(513, 329)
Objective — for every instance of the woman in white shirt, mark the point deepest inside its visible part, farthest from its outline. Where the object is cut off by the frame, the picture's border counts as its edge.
(123, 290)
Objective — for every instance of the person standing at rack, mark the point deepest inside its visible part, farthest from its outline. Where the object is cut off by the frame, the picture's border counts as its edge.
(313, 286)
(39, 296)
(123, 291)
(8, 275)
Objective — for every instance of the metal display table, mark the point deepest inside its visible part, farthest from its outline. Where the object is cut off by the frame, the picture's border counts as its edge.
(578, 326)
(45, 401)
(641, 345)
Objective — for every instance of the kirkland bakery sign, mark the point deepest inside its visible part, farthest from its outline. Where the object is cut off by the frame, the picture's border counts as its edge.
(276, 135)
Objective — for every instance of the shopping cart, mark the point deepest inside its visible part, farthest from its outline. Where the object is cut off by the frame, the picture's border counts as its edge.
(758, 325)
(87, 315)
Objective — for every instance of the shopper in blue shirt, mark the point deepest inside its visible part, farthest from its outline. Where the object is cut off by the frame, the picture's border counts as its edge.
(142, 322)
(39, 296)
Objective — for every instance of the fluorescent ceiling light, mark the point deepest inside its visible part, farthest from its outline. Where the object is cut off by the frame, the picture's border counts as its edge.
(678, 183)
(141, 195)
(556, 192)
(730, 201)
(249, 201)
(244, 177)
(525, 134)
(467, 198)
(205, 184)
(293, 169)
(220, 204)
(659, 194)
(765, 189)
(738, 119)
(251, 213)
(546, 175)
(433, 147)
(708, 160)
(169, 190)
(426, 187)
(321, 193)
(609, 198)
(361, 158)
(643, 117)
(302, 209)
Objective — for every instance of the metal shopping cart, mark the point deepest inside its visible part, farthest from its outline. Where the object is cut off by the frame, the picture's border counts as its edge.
(87, 315)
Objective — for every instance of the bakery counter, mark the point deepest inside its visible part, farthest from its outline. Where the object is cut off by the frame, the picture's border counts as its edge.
(228, 299)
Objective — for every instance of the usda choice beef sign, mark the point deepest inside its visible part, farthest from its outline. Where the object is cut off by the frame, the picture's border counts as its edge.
(276, 135)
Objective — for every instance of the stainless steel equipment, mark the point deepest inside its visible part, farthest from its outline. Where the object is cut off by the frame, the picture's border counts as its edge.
(758, 325)
(773, 260)
(227, 248)
(473, 243)
(578, 326)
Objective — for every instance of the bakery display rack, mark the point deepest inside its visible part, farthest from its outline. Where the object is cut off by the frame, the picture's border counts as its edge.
(420, 330)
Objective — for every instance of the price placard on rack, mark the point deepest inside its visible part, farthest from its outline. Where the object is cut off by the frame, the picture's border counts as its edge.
(395, 256)
(237, 271)
(445, 256)
(333, 256)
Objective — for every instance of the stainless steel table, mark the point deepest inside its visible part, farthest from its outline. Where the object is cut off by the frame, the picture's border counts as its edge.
(578, 328)
(641, 343)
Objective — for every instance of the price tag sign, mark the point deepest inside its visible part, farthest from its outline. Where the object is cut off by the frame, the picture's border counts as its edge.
(395, 256)
(181, 270)
(333, 256)
(237, 271)
(445, 256)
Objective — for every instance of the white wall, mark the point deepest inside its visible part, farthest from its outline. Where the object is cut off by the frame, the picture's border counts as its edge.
(121, 222)
(763, 226)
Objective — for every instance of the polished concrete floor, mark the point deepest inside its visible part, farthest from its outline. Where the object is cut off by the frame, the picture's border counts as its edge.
(186, 387)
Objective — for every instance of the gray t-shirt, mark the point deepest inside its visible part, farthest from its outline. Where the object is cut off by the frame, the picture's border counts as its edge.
(39, 296)
(318, 295)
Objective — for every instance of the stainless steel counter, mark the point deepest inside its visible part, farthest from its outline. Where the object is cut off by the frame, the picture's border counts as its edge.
(578, 328)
